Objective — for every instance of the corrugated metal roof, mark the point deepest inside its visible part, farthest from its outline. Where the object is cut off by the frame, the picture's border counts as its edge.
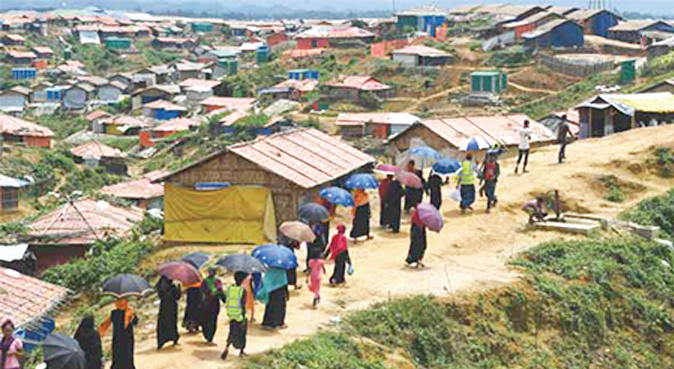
(303, 85)
(306, 157)
(139, 189)
(20, 127)
(97, 114)
(165, 105)
(43, 50)
(424, 10)
(192, 82)
(365, 83)
(177, 125)
(420, 50)
(335, 32)
(22, 54)
(12, 182)
(547, 27)
(637, 25)
(82, 221)
(359, 119)
(230, 103)
(96, 150)
(25, 298)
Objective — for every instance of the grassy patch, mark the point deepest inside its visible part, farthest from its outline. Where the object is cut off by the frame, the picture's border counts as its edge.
(615, 193)
(656, 211)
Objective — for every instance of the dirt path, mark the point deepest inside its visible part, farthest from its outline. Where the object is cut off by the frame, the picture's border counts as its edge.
(470, 253)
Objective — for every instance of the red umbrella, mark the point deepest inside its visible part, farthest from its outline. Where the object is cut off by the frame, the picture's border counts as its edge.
(181, 271)
(409, 179)
(387, 169)
(430, 216)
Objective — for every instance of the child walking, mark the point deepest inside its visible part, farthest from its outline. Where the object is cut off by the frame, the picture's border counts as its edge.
(317, 267)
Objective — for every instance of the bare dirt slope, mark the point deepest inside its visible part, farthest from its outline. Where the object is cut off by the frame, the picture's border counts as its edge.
(470, 253)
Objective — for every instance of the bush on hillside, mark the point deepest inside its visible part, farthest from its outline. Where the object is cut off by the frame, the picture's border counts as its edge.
(656, 211)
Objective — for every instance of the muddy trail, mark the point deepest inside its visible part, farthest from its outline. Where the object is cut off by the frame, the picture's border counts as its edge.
(470, 253)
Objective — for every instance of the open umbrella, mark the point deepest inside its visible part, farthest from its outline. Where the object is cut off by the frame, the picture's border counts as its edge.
(446, 166)
(409, 179)
(197, 259)
(125, 285)
(423, 155)
(337, 196)
(474, 144)
(361, 181)
(181, 271)
(241, 263)
(430, 216)
(313, 212)
(297, 231)
(387, 169)
(276, 256)
(63, 352)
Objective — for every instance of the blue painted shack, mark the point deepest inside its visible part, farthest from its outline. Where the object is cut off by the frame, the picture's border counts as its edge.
(595, 21)
(423, 19)
(19, 74)
(557, 33)
(300, 74)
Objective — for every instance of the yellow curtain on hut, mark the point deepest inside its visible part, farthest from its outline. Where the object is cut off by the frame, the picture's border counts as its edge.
(237, 214)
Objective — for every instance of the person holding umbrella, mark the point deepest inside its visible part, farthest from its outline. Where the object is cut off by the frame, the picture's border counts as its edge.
(413, 196)
(317, 248)
(122, 320)
(384, 186)
(11, 347)
(274, 294)
(361, 215)
(434, 189)
(236, 312)
(417, 249)
(292, 245)
(90, 341)
(394, 197)
(212, 294)
(191, 319)
(167, 320)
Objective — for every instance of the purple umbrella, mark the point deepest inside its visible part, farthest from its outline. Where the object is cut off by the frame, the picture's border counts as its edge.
(409, 179)
(430, 216)
(181, 271)
(387, 169)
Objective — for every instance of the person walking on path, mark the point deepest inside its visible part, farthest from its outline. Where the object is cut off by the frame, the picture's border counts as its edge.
(490, 172)
(361, 215)
(274, 294)
(317, 248)
(11, 347)
(90, 341)
(167, 320)
(339, 252)
(211, 289)
(122, 320)
(394, 208)
(191, 320)
(292, 245)
(314, 279)
(466, 181)
(235, 302)
(413, 196)
(247, 285)
(417, 249)
(434, 188)
(383, 200)
(523, 148)
(563, 132)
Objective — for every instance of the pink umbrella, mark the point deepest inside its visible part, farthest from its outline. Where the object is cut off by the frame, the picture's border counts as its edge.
(297, 231)
(430, 216)
(181, 271)
(409, 179)
(387, 169)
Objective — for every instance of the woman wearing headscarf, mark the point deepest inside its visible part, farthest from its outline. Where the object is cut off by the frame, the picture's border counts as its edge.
(212, 293)
(317, 248)
(167, 320)
(236, 312)
(417, 241)
(434, 188)
(122, 320)
(413, 196)
(11, 347)
(90, 342)
(361, 215)
(274, 294)
(191, 320)
(339, 252)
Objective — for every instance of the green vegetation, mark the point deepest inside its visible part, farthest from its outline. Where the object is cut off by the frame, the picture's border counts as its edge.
(594, 303)
(615, 193)
(664, 161)
(656, 211)
(123, 143)
(440, 46)
(110, 257)
(659, 66)
(252, 121)
(514, 56)
(63, 124)
(99, 59)
(570, 96)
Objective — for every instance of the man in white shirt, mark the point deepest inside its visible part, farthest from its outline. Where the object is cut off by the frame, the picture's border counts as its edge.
(523, 148)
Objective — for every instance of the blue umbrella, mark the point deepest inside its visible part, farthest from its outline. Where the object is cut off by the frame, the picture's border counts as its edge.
(446, 166)
(362, 181)
(474, 144)
(336, 195)
(423, 155)
(276, 256)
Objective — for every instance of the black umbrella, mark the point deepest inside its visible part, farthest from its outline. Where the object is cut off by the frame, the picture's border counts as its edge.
(242, 263)
(125, 285)
(313, 212)
(63, 352)
(198, 259)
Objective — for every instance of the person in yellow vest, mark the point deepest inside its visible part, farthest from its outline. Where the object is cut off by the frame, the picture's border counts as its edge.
(466, 179)
(235, 306)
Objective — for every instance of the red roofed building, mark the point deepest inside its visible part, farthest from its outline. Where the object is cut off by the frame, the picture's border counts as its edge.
(294, 165)
(353, 88)
(302, 53)
(21, 58)
(95, 153)
(162, 110)
(18, 130)
(96, 115)
(43, 52)
(13, 40)
(166, 129)
(68, 231)
(230, 103)
(142, 192)
(28, 300)
(276, 39)
(123, 125)
(332, 36)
